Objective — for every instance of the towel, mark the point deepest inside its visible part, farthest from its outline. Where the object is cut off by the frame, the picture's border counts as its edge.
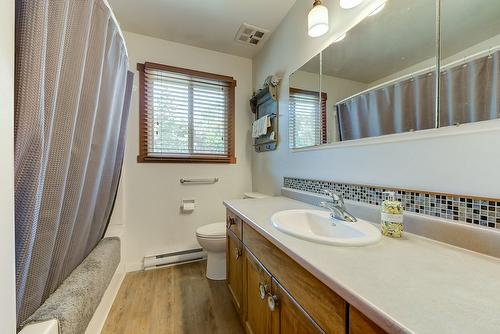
(259, 127)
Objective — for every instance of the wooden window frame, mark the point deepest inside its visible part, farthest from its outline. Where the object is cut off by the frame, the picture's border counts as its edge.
(201, 158)
(323, 120)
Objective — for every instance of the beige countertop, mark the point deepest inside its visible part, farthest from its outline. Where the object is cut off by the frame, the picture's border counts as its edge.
(408, 285)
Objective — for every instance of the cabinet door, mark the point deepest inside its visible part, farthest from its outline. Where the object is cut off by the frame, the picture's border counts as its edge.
(360, 324)
(234, 269)
(257, 287)
(288, 317)
(326, 307)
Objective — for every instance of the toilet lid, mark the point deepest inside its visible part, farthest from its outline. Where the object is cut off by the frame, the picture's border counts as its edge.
(216, 230)
(254, 195)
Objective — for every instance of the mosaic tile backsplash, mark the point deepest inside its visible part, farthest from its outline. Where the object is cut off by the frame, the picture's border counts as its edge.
(472, 210)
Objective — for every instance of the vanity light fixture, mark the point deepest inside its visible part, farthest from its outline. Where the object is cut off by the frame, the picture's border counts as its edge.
(341, 37)
(378, 9)
(348, 4)
(317, 20)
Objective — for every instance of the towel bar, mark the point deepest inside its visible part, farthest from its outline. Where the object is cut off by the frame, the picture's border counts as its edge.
(200, 181)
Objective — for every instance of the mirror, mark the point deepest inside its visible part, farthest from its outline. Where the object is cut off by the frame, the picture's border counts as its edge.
(378, 79)
(305, 107)
(470, 61)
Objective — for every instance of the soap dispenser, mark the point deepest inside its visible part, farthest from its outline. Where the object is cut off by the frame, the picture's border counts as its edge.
(391, 216)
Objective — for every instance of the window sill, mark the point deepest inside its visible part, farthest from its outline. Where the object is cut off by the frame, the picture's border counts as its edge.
(192, 159)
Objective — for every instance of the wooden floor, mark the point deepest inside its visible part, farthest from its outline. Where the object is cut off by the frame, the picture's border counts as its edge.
(177, 299)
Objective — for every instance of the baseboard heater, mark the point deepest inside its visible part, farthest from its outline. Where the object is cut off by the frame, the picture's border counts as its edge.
(170, 259)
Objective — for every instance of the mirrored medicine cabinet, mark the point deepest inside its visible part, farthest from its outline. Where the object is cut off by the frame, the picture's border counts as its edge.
(414, 65)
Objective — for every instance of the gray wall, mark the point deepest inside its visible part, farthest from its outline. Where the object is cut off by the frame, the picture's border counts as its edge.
(462, 160)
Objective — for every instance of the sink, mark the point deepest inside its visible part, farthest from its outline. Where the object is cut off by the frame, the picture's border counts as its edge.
(317, 226)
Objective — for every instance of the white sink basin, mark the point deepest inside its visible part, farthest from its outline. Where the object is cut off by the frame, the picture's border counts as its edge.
(317, 226)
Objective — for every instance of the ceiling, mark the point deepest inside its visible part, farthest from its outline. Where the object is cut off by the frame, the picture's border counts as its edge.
(403, 34)
(208, 24)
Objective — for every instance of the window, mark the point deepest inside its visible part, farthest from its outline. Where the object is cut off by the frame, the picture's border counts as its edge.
(308, 124)
(185, 115)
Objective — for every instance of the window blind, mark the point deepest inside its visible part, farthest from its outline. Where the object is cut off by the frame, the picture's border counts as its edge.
(307, 118)
(186, 115)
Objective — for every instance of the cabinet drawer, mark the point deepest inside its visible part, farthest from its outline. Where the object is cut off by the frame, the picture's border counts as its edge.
(234, 224)
(323, 305)
(360, 324)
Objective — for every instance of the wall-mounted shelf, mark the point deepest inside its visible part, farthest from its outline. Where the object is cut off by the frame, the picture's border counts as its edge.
(265, 102)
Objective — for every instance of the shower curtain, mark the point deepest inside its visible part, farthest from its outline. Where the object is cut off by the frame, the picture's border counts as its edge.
(400, 107)
(72, 99)
(470, 92)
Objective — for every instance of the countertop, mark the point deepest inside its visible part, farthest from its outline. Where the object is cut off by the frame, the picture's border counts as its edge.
(407, 285)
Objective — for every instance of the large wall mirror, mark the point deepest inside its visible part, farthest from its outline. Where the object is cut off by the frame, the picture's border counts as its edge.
(380, 78)
(470, 61)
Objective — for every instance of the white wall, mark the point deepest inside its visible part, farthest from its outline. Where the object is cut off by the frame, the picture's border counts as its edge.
(459, 163)
(7, 268)
(150, 192)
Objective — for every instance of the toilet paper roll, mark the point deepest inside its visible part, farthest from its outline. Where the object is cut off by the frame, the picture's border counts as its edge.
(187, 206)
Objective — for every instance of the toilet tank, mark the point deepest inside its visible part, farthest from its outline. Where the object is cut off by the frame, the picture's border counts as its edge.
(254, 195)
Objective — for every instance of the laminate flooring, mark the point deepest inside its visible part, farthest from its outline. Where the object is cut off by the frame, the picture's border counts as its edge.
(173, 300)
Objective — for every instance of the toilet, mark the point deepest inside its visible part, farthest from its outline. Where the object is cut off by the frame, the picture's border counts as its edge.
(212, 238)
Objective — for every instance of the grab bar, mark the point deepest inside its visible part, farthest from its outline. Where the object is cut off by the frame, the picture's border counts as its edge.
(200, 181)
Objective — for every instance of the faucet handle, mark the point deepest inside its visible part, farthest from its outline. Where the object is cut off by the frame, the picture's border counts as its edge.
(328, 192)
(336, 197)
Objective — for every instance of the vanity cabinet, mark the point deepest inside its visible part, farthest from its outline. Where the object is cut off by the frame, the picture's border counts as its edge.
(269, 307)
(257, 286)
(234, 269)
(360, 324)
(234, 224)
(288, 316)
(275, 295)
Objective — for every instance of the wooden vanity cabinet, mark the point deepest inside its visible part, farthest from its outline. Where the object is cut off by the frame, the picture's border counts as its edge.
(234, 224)
(288, 316)
(275, 295)
(269, 308)
(322, 304)
(257, 286)
(360, 324)
(234, 270)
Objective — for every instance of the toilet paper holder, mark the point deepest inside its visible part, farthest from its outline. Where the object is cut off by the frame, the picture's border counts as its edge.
(188, 205)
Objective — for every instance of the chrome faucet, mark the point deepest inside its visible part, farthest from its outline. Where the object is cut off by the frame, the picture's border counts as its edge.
(337, 207)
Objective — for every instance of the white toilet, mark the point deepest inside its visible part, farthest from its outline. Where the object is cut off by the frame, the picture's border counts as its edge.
(212, 238)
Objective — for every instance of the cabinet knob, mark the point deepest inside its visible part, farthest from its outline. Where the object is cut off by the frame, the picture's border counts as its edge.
(263, 290)
(230, 222)
(237, 253)
(272, 302)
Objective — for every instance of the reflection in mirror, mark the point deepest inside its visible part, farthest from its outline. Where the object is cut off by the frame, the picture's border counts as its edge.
(306, 118)
(393, 55)
(470, 61)
(380, 77)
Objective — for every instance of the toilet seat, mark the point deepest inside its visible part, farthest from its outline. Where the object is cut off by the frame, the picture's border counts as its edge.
(212, 231)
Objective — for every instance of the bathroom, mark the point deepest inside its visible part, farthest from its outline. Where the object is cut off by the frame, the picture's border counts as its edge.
(291, 166)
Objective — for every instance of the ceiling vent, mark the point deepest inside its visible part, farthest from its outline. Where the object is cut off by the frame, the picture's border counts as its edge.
(251, 35)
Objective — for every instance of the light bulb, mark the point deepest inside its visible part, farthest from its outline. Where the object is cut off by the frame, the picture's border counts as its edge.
(348, 4)
(317, 20)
